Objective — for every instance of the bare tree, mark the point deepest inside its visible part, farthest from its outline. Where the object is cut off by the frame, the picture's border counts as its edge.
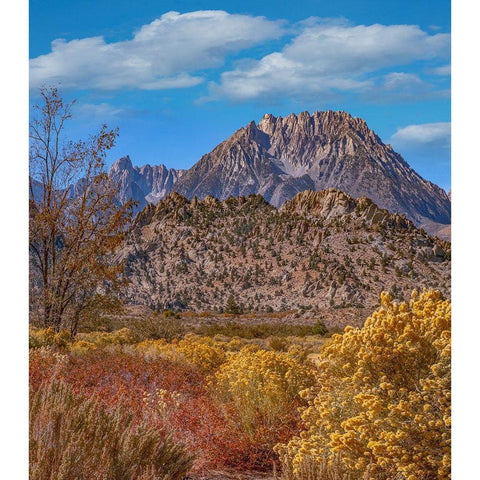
(75, 221)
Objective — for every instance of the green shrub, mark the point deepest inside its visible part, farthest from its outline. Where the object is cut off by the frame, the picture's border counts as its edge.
(231, 306)
(319, 328)
(261, 330)
(155, 327)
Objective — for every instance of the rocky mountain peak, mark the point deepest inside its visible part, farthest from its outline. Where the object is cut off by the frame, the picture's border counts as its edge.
(248, 134)
(298, 138)
(172, 201)
(146, 184)
(122, 164)
(282, 156)
(332, 203)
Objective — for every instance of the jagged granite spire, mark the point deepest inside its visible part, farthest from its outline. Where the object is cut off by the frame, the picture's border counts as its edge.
(145, 184)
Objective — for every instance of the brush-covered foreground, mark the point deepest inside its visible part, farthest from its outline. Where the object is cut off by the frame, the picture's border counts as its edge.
(373, 402)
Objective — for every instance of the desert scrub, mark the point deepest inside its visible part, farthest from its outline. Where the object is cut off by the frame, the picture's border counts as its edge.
(262, 386)
(382, 397)
(73, 438)
(124, 336)
(44, 337)
(318, 469)
(46, 363)
(154, 326)
(81, 347)
(202, 353)
(261, 330)
(162, 402)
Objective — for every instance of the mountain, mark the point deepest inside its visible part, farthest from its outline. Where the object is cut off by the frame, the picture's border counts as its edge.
(324, 250)
(280, 157)
(145, 184)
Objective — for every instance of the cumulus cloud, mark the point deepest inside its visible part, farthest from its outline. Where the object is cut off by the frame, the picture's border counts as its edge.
(163, 54)
(328, 58)
(423, 135)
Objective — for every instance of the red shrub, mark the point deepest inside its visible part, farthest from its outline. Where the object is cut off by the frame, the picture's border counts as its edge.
(197, 419)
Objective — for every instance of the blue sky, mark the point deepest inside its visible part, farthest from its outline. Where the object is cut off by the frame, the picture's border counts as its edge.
(180, 77)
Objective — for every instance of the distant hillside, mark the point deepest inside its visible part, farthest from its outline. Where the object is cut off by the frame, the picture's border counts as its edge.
(320, 249)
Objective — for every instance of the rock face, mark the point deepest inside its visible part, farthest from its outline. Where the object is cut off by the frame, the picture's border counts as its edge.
(280, 157)
(242, 165)
(320, 249)
(145, 184)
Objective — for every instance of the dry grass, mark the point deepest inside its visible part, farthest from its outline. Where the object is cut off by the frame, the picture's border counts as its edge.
(310, 469)
(73, 438)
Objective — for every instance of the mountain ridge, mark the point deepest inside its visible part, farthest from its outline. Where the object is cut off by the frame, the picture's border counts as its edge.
(282, 156)
(145, 184)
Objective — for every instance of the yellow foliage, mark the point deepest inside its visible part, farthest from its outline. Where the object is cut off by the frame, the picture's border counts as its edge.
(163, 401)
(44, 337)
(202, 353)
(83, 341)
(124, 336)
(382, 398)
(234, 345)
(262, 384)
(82, 346)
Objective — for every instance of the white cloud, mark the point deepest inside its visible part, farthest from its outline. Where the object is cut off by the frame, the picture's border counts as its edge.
(99, 110)
(402, 81)
(423, 135)
(162, 54)
(401, 87)
(326, 58)
(443, 70)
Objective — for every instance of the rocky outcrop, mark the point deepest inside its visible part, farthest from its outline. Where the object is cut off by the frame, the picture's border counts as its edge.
(324, 204)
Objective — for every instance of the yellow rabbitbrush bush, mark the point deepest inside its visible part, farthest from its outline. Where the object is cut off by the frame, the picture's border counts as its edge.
(262, 385)
(124, 336)
(45, 337)
(202, 353)
(382, 398)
